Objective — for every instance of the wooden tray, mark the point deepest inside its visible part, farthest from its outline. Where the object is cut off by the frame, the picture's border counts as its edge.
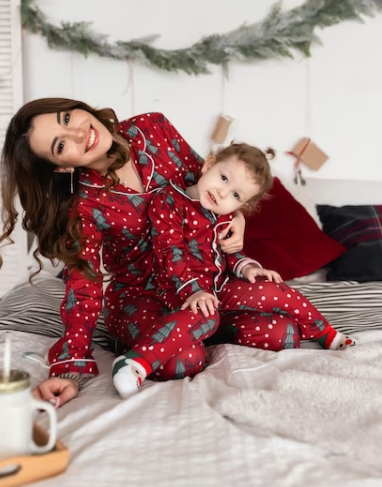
(35, 467)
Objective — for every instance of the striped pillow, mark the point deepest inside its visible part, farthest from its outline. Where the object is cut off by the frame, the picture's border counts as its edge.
(35, 309)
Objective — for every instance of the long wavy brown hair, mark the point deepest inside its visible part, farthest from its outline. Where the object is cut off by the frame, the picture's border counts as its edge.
(45, 195)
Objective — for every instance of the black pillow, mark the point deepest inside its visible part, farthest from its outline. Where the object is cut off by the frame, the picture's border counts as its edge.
(359, 229)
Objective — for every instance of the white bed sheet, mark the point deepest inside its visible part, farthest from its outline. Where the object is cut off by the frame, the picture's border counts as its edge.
(173, 434)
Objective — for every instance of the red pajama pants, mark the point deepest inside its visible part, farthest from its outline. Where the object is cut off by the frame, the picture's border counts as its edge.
(172, 341)
(264, 315)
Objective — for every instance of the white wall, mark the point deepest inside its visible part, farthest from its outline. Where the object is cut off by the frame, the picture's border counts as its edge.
(273, 102)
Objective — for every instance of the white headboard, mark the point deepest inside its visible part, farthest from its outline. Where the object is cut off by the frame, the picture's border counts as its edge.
(331, 192)
(347, 192)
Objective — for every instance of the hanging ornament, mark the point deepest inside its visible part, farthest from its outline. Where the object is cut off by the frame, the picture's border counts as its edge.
(305, 150)
(220, 131)
(310, 154)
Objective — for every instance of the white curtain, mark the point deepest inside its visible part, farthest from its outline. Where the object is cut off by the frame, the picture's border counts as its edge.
(11, 98)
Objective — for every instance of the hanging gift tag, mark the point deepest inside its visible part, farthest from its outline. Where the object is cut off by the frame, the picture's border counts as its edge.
(221, 129)
(309, 153)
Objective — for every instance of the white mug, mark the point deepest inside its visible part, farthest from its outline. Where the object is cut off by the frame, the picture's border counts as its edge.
(18, 409)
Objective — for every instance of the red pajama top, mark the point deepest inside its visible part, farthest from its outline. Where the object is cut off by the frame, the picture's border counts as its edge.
(188, 258)
(116, 223)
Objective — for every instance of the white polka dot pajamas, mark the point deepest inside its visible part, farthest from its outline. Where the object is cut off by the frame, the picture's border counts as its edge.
(115, 222)
(188, 259)
(267, 315)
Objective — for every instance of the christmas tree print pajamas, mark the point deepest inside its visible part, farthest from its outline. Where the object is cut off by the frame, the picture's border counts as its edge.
(116, 223)
(188, 259)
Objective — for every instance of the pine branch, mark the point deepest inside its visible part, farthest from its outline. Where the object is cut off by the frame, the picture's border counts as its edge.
(277, 36)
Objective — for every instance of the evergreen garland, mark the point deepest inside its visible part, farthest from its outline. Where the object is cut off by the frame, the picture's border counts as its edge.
(277, 36)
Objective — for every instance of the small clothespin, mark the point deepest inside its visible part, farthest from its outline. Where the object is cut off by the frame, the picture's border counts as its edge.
(298, 179)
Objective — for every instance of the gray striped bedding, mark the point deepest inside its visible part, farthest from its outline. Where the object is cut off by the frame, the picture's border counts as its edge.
(35, 309)
(349, 306)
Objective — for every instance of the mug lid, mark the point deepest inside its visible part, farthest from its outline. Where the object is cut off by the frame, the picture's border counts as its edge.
(18, 380)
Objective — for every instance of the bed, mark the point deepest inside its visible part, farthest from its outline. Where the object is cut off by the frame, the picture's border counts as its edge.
(252, 417)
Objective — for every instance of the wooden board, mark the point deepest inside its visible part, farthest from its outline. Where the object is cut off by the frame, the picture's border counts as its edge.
(31, 468)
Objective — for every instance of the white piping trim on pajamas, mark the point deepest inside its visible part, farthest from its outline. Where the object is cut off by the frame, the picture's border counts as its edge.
(242, 263)
(186, 284)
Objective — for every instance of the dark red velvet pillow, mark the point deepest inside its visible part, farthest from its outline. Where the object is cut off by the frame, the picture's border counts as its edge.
(283, 237)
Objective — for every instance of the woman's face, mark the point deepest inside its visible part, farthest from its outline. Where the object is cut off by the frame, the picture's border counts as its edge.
(70, 139)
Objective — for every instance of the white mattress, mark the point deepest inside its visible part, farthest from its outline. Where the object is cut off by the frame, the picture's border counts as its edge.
(176, 433)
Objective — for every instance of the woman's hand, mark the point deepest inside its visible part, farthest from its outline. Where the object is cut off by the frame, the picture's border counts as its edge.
(206, 302)
(235, 242)
(56, 390)
(250, 272)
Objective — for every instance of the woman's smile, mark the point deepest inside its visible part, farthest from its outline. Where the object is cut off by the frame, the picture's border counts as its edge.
(92, 139)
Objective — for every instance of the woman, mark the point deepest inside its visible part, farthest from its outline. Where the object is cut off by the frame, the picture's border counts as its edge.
(85, 182)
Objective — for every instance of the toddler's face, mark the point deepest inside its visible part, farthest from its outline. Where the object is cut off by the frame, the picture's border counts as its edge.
(225, 186)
